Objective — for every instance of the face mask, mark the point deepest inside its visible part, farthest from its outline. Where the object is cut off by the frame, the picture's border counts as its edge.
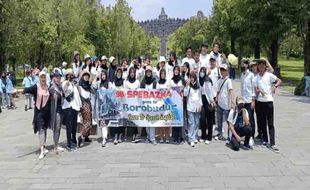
(202, 74)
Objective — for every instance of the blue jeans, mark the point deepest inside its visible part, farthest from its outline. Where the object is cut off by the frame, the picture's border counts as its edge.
(5, 100)
(220, 113)
(193, 121)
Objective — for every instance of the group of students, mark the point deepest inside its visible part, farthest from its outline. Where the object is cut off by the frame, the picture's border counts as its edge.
(7, 90)
(59, 97)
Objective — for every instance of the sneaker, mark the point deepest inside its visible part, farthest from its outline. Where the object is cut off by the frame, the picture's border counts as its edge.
(94, 122)
(154, 142)
(247, 147)
(196, 141)
(227, 141)
(41, 156)
(219, 137)
(80, 141)
(133, 138)
(26, 108)
(167, 141)
(137, 140)
(60, 149)
(265, 144)
(104, 143)
(115, 142)
(201, 140)
(258, 138)
(119, 140)
(161, 141)
(275, 149)
(192, 144)
(207, 142)
(251, 143)
(45, 151)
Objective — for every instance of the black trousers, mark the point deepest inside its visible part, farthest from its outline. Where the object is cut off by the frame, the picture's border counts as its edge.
(246, 132)
(70, 120)
(247, 106)
(206, 120)
(265, 116)
(259, 129)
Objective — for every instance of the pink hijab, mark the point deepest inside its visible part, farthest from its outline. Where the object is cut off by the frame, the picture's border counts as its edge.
(42, 97)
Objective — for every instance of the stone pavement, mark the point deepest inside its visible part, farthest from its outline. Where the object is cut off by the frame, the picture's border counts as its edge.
(165, 166)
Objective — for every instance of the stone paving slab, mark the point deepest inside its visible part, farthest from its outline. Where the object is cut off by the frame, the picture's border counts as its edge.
(165, 166)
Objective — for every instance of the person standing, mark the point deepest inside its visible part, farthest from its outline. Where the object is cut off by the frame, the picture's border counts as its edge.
(71, 106)
(77, 65)
(178, 133)
(189, 58)
(164, 132)
(224, 101)
(266, 84)
(206, 119)
(248, 93)
(133, 83)
(216, 54)
(112, 69)
(194, 104)
(204, 56)
(86, 109)
(149, 83)
(42, 112)
(56, 94)
(28, 82)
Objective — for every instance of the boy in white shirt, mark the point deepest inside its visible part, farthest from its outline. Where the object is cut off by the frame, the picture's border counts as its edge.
(204, 56)
(189, 58)
(266, 84)
(224, 100)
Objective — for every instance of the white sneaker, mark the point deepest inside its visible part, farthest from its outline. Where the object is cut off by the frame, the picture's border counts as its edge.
(45, 151)
(196, 141)
(227, 141)
(201, 140)
(167, 141)
(192, 144)
(94, 122)
(251, 143)
(60, 149)
(161, 141)
(207, 142)
(42, 155)
(104, 142)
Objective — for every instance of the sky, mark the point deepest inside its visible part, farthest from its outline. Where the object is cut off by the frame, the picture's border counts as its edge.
(150, 9)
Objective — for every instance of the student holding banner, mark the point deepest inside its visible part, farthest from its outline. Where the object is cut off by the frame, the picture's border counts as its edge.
(149, 83)
(133, 83)
(164, 132)
(102, 83)
(176, 82)
(118, 84)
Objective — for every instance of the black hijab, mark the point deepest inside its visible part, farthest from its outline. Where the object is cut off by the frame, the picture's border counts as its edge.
(104, 83)
(148, 80)
(176, 78)
(85, 84)
(119, 81)
(195, 85)
(162, 80)
(131, 79)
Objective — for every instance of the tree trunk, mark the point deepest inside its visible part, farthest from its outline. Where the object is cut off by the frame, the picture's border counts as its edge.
(232, 45)
(307, 49)
(240, 54)
(257, 48)
(2, 37)
(273, 53)
(41, 55)
(57, 46)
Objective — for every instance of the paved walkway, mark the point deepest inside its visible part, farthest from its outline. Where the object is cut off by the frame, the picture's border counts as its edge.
(144, 166)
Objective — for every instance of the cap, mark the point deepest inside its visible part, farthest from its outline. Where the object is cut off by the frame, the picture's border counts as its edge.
(149, 68)
(69, 71)
(162, 59)
(111, 59)
(42, 73)
(223, 66)
(76, 53)
(240, 100)
(87, 56)
(104, 58)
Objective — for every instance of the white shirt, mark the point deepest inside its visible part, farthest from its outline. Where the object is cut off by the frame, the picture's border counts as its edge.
(163, 86)
(264, 83)
(247, 86)
(217, 58)
(129, 85)
(191, 62)
(76, 101)
(224, 97)
(206, 89)
(169, 71)
(231, 119)
(205, 61)
(194, 101)
(76, 69)
(214, 76)
(172, 84)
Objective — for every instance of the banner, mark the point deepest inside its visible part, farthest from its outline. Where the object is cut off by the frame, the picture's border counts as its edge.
(141, 108)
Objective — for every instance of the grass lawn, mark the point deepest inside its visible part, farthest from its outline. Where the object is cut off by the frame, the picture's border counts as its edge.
(291, 71)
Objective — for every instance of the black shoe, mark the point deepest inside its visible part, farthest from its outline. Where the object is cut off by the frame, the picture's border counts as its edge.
(30, 108)
(247, 147)
(258, 138)
(80, 141)
(74, 142)
(87, 139)
(26, 108)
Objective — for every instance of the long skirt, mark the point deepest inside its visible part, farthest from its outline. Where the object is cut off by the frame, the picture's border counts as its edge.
(86, 112)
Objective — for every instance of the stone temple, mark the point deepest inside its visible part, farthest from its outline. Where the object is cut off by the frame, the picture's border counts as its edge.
(163, 27)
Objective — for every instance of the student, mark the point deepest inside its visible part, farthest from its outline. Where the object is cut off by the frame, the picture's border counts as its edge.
(206, 119)
(224, 100)
(178, 133)
(71, 106)
(239, 125)
(194, 104)
(102, 82)
(185, 79)
(87, 63)
(266, 84)
(56, 115)
(149, 83)
(77, 65)
(197, 62)
(112, 69)
(248, 92)
(189, 58)
(170, 66)
(28, 82)
(216, 54)
(42, 113)
(161, 65)
(86, 109)
(164, 132)
(7, 92)
(133, 83)
(204, 56)
(118, 84)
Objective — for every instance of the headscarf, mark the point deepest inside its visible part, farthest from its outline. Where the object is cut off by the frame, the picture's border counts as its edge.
(195, 85)
(131, 79)
(85, 84)
(162, 80)
(119, 81)
(176, 78)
